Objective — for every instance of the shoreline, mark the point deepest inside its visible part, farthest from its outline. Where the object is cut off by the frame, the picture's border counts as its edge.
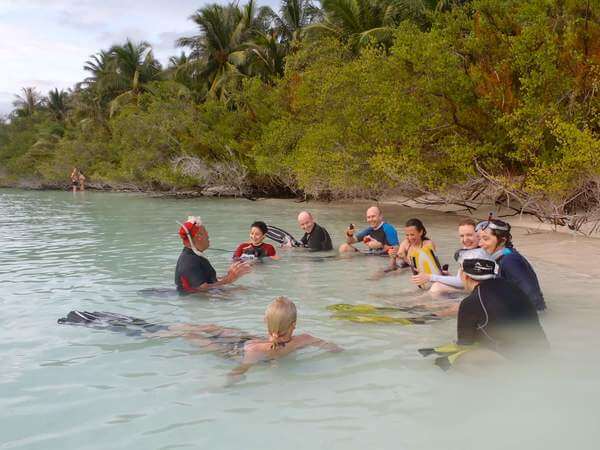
(564, 248)
(530, 223)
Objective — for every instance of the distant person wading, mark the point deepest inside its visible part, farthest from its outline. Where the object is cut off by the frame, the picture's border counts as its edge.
(77, 180)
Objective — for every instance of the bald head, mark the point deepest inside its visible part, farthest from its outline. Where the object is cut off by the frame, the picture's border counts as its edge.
(374, 216)
(306, 221)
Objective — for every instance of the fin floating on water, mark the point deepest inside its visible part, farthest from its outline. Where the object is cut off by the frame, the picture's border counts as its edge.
(448, 354)
(131, 326)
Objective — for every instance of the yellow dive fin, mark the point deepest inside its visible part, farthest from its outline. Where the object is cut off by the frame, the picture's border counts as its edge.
(449, 353)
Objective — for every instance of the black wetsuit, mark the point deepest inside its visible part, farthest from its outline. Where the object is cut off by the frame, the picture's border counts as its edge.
(514, 267)
(317, 240)
(192, 271)
(500, 316)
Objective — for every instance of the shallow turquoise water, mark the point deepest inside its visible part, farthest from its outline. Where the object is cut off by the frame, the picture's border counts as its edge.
(71, 387)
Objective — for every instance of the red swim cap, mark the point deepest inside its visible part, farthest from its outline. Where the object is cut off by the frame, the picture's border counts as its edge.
(191, 227)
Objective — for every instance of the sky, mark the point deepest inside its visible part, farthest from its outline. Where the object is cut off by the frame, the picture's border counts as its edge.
(45, 43)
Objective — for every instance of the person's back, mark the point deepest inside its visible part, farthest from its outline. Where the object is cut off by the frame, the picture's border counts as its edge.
(500, 316)
(193, 271)
(514, 267)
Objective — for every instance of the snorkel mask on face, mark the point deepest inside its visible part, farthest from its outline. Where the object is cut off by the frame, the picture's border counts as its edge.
(189, 229)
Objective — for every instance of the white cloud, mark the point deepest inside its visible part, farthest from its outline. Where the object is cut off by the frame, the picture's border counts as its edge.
(45, 43)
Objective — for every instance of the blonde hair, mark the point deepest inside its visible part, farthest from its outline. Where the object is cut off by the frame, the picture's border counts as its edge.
(280, 317)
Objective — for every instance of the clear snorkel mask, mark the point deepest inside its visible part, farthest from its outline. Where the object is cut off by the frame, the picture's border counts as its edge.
(492, 224)
(196, 220)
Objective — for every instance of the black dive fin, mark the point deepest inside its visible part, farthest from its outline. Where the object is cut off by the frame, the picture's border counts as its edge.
(281, 236)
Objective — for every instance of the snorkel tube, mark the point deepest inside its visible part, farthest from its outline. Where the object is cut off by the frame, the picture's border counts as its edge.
(194, 221)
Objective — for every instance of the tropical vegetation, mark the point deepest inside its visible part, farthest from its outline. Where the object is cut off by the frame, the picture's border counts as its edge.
(347, 98)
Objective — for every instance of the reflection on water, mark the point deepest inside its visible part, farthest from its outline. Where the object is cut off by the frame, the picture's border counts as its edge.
(72, 387)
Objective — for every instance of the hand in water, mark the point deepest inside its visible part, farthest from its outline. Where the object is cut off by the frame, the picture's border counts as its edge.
(421, 278)
(238, 269)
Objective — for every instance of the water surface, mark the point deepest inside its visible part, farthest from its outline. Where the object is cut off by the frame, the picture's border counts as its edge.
(72, 387)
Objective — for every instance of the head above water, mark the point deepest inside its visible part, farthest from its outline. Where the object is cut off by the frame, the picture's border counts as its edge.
(473, 271)
(415, 231)
(194, 234)
(467, 234)
(306, 221)
(258, 230)
(374, 216)
(494, 235)
(280, 318)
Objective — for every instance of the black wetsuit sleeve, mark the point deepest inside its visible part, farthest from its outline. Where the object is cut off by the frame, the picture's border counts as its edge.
(469, 316)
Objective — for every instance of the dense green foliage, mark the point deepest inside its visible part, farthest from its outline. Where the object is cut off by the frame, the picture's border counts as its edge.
(357, 98)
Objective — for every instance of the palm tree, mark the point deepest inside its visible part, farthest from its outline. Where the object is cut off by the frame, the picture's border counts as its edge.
(218, 54)
(119, 74)
(362, 22)
(293, 17)
(135, 66)
(27, 103)
(102, 68)
(56, 103)
(267, 56)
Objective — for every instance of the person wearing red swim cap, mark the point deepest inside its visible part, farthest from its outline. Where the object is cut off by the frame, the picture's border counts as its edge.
(194, 272)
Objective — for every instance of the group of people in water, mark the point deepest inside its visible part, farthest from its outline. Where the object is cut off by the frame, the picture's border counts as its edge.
(499, 314)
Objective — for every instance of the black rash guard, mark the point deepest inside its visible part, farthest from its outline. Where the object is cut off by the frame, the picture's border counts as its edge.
(192, 271)
(317, 240)
(500, 316)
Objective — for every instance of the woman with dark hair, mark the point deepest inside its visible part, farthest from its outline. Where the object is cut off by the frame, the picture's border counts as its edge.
(496, 240)
(415, 239)
(255, 248)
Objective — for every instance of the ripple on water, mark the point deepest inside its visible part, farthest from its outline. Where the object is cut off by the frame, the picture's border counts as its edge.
(96, 252)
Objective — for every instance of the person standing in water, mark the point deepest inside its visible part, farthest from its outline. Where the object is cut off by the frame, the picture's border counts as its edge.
(255, 248)
(194, 273)
(496, 240)
(379, 237)
(316, 238)
(77, 180)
